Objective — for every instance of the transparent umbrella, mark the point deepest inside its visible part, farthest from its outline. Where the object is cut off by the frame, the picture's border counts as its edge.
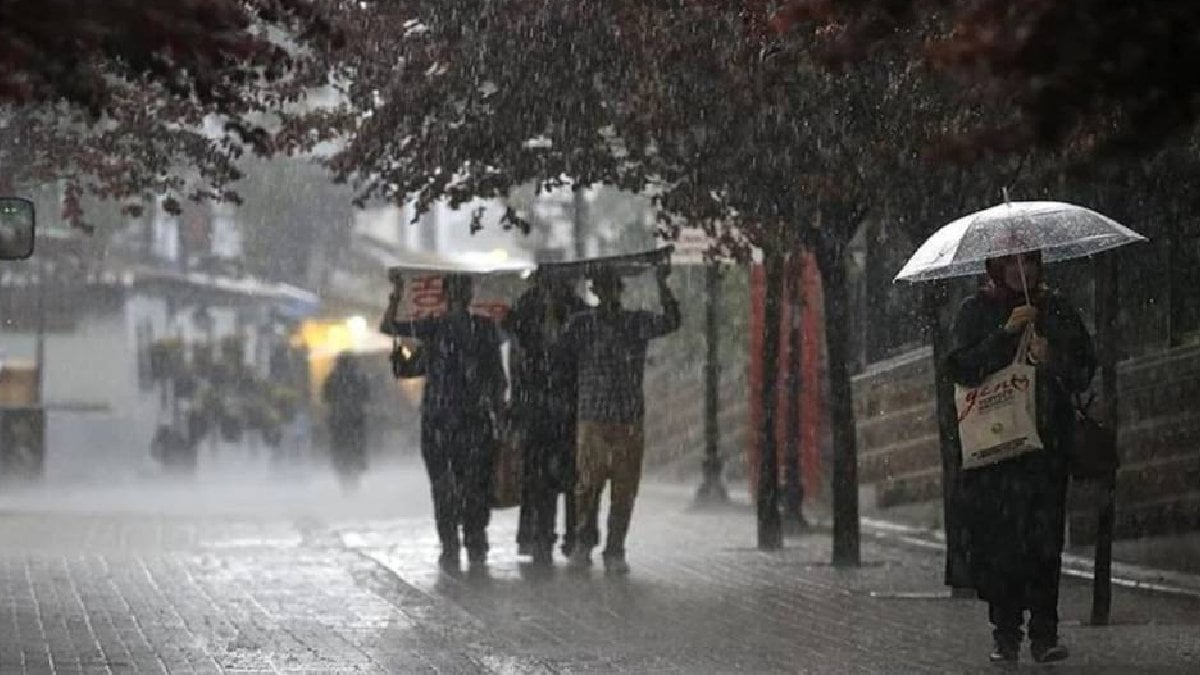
(1059, 230)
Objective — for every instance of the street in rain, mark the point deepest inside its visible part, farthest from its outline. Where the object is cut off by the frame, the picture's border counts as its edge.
(591, 337)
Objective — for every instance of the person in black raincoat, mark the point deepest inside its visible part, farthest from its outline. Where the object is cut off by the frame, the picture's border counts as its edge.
(346, 392)
(1016, 509)
(462, 397)
(544, 410)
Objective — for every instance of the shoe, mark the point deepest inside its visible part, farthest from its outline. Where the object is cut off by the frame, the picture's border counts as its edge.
(616, 566)
(1004, 654)
(581, 559)
(449, 560)
(525, 548)
(477, 556)
(1049, 653)
(543, 556)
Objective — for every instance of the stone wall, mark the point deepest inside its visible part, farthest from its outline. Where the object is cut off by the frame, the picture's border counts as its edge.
(675, 378)
(1158, 486)
(897, 432)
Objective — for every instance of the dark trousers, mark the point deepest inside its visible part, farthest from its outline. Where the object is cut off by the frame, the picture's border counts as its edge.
(1040, 598)
(348, 443)
(1035, 592)
(456, 448)
(1016, 511)
(539, 511)
(548, 471)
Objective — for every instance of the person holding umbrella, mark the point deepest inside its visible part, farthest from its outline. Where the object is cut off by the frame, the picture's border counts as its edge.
(1016, 509)
(1014, 487)
(462, 397)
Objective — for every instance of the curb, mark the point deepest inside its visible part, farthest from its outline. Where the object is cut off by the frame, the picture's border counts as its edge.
(1125, 575)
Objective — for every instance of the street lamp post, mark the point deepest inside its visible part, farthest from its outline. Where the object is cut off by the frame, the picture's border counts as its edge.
(579, 221)
(1106, 299)
(712, 491)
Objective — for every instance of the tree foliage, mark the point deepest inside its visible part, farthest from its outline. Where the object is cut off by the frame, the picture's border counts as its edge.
(113, 96)
(1116, 77)
(461, 100)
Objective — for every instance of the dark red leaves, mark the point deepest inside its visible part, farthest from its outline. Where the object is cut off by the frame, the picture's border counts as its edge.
(1069, 66)
(139, 78)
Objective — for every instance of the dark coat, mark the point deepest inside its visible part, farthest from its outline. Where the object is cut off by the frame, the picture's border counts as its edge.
(541, 386)
(346, 392)
(1015, 510)
(545, 392)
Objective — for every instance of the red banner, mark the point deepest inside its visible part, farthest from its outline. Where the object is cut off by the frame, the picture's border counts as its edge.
(801, 278)
(424, 298)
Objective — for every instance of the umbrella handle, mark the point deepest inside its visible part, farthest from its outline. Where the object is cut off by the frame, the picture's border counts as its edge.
(1024, 281)
(1022, 355)
(1027, 336)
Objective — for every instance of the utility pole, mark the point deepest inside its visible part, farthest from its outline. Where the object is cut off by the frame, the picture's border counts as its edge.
(39, 347)
(1105, 269)
(37, 419)
(712, 491)
(579, 221)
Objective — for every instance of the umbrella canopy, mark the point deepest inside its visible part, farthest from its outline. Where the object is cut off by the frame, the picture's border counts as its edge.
(1059, 230)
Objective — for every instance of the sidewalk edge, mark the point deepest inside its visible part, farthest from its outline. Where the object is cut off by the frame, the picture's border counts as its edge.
(1125, 575)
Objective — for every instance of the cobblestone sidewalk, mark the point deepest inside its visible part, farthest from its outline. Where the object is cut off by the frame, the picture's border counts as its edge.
(350, 585)
(701, 599)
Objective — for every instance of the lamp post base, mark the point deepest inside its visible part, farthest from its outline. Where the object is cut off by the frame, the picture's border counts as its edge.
(794, 523)
(712, 491)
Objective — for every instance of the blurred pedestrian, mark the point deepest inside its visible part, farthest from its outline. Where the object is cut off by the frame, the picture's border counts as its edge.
(346, 392)
(608, 344)
(463, 397)
(1016, 509)
(544, 411)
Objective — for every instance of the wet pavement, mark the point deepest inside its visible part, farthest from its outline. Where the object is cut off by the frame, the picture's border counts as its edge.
(240, 576)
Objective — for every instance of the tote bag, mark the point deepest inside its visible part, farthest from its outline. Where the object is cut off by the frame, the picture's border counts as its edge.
(997, 420)
(506, 467)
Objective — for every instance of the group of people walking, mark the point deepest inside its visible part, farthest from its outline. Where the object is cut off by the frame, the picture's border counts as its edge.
(576, 403)
(578, 407)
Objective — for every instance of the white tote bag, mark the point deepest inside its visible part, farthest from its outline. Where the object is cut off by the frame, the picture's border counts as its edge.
(998, 419)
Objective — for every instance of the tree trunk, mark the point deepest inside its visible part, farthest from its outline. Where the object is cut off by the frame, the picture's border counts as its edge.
(770, 532)
(841, 405)
(793, 503)
(933, 299)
